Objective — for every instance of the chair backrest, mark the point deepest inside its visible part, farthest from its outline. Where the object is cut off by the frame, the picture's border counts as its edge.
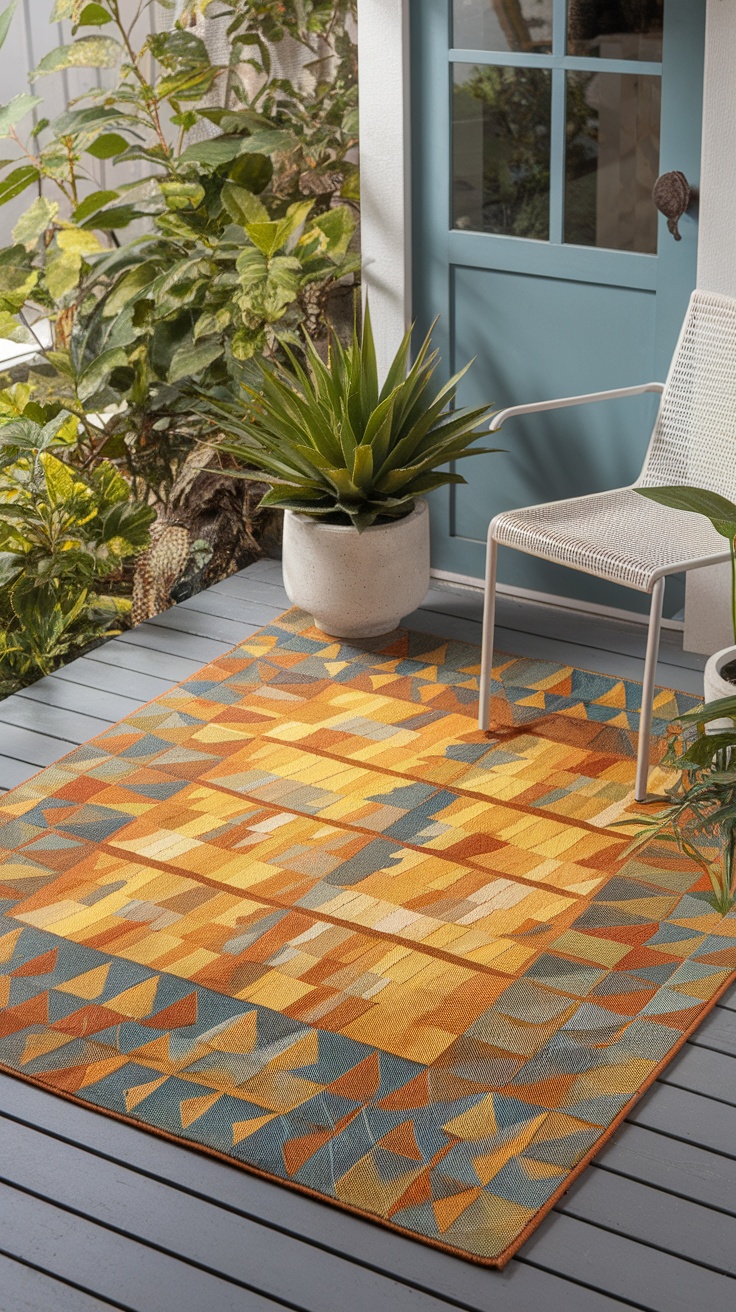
(694, 438)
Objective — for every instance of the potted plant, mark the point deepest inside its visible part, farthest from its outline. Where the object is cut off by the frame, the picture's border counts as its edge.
(350, 461)
(720, 671)
(701, 816)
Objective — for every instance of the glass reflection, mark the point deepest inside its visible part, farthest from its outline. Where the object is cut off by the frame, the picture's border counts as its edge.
(501, 150)
(616, 29)
(503, 25)
(612, 160)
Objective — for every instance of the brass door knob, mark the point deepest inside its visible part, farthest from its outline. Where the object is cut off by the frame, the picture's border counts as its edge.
(673, 197)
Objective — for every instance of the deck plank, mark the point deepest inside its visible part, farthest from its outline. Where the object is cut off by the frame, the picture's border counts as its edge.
(641, 1212)
(703, 1071)
(28, 747)
(718, 1030)
(24, 1289)
(67, 726)
(230, 607)
(147, 660)
(643, 1276)
(125, 681)
(187, 619)
(112, 1266)
(684, 1115)
(244, 587)
(14, 772)
(678, 1168)
(170, 642)
(79, 697)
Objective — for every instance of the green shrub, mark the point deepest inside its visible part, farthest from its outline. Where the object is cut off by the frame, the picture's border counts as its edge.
(62, 534)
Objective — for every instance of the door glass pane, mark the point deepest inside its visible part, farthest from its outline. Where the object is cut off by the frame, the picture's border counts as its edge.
(616, 29)
(503, 25)
(501, 150)
(612, 160)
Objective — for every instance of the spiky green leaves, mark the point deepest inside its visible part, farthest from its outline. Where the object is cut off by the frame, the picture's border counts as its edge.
(334, 443)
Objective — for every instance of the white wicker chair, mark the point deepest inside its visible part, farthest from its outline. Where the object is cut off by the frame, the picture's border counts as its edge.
(620, 535)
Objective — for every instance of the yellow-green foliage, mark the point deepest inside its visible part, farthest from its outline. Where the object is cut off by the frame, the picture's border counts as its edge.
(62, 532)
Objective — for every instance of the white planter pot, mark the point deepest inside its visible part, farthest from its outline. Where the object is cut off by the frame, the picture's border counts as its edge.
(715, 686)
(357, 585)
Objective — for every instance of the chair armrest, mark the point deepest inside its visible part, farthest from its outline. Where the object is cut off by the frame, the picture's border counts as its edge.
(562, 402)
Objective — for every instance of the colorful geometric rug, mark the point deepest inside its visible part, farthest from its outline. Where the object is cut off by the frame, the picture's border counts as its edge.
(301, 914)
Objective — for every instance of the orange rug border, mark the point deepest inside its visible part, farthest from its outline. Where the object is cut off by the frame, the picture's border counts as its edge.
(495, 1263)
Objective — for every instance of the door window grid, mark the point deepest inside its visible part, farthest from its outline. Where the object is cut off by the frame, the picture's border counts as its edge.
(560, 68)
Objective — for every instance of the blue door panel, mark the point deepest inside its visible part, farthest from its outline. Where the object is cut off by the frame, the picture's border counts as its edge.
(545, 318)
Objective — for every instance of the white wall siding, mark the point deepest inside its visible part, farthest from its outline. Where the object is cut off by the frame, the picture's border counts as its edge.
(707, 611)
(383, 34)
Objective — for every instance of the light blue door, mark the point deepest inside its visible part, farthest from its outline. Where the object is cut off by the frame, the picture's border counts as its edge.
(539, 129)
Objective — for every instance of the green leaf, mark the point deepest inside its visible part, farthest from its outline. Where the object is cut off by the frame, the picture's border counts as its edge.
(26, 435)
(337, 227)
(363, 467)
(191, 358)
(92, 203)
(75, 241)
(6, 18)
(76, 121)
(93, 16)
(719, 510)
(127, 526)
(11, 565)
(12, 331)
(96, 374)
(213, 153)
(182, 195)
(17, 181)
(242, 206)
(88, 52)
(15, 110)
(269, 141)
(131, 285)
(36, 220)
(266, 236)
(59, 480)
(254, 172)
(62, 273)
(107, 146)
(17, 277)
(116, 216)
(252, 267)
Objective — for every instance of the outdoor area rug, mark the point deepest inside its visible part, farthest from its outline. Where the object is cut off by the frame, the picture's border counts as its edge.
(302, 914)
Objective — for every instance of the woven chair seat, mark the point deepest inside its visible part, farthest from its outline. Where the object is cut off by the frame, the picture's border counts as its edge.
(617, 535)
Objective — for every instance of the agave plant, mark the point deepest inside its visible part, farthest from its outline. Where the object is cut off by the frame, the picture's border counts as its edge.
(701, 816)
(336, 445)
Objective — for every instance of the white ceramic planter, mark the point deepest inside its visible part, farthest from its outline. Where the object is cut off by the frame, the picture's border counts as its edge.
(715, 686)
(357, 585)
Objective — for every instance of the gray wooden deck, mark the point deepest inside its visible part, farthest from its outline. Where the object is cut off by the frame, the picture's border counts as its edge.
(95, 1214)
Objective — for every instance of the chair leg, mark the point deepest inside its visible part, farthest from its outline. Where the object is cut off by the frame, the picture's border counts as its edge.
(489, 618)
(647, 696)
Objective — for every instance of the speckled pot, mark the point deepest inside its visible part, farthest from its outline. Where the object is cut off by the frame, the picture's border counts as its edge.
(715, 686)
(357, 585)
